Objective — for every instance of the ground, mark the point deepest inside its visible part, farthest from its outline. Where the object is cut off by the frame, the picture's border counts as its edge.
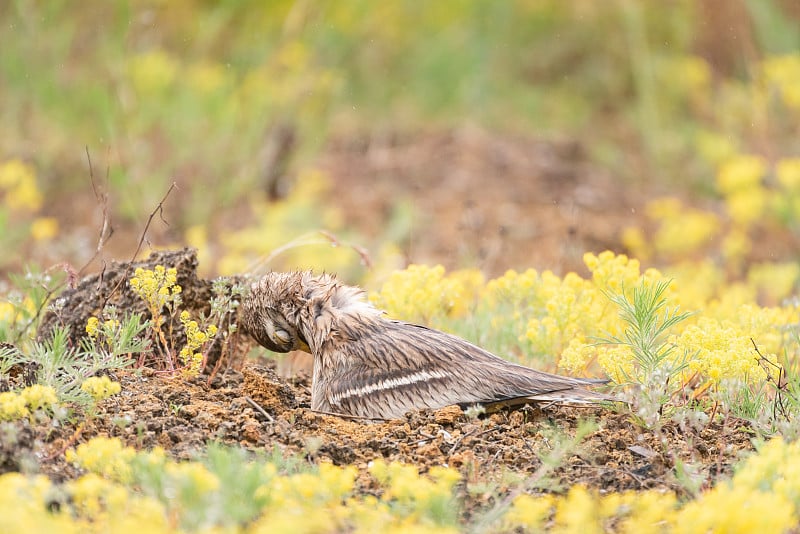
(498, 203)
(256, 409)
(484, 200)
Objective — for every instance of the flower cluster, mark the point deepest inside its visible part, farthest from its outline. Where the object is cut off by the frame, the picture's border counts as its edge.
(104, 456)
(158, 288)
(783, 72)
(680, 232)
(428, 295)
(15, 405)
(562, 319)
(146, 489)
(94, 329)
(195, 339)
(20, 202)
(100, 387)
(121, 481)
(754, 195)
(288, 231)
(18, 186)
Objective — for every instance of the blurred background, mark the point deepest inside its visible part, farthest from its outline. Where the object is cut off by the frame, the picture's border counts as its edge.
(360, 136)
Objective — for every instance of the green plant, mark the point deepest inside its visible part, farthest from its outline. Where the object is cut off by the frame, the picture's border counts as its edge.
(658, 367)
(23, 303)
(65, 368)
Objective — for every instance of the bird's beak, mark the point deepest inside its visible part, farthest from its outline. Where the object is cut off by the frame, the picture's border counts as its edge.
(302, 345)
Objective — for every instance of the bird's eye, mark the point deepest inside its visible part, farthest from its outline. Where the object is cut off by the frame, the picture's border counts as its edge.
(282, 336)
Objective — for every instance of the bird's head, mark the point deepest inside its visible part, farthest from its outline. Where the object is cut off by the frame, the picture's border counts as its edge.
(271, 312)
(298, 310)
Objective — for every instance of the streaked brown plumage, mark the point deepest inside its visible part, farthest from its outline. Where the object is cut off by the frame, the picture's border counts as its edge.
(370, 366)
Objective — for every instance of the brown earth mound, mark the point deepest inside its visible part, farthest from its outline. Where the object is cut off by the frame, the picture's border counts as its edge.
(247, 404)
(257, 410)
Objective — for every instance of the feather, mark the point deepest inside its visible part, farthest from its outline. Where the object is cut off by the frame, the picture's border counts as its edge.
(366, 365)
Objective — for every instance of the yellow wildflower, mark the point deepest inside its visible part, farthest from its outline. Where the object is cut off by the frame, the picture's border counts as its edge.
(634, 240)
(195, 339)
(12, 406)
(746, 206)
(18, 183)
(579, 511)
(529, 512)
(736, 245)
(93, 495)
(740, 173)
(776, 281)
(426, 294)
(156, 287)
(44, 228)
(787, 171)
(104, 456)
(206, 77)
(38, 397)
(783, 71)
(92, 326)
(152, 72)
(728, 508)
(100, 387)
(192, 476)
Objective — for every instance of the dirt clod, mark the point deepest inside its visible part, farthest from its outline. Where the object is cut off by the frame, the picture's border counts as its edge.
(74, 306)
(183, 415)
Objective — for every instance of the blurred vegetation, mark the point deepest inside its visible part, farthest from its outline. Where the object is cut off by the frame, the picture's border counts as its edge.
(693, 104)
(233, 100)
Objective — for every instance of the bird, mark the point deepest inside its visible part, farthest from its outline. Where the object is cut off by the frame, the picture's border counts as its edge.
(369, 366)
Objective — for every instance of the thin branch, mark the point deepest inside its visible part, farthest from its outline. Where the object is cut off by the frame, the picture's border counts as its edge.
(259, 409)
(106, 229)
(159, 209)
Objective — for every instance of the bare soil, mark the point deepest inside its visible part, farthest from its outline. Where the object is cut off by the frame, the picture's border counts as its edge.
(485, 201)
(255, 409)
(245, 403)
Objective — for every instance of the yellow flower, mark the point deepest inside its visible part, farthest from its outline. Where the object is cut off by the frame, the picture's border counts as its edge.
(728, 508)
(37, 397)
(746, 206)
(12, 406)
(100, 387)
(44, 228)
(740, 173)
(206, 77)
(427, 294)
(736, 245)
(774, 280)
(152, 72)
(18, 182)
(92, 326)
(93, 495)
(787, 171)
(104, 456)
(195, 339)
(193, 476)
(686, 233)
(634, 240)
(784, 73)
(156, 287)
(529, 512)
(578, 512)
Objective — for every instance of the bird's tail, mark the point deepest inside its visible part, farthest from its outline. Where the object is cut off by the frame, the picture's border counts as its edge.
(576, 396)
(573, 396)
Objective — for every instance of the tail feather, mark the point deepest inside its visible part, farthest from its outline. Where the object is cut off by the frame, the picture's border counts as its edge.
(576, 396)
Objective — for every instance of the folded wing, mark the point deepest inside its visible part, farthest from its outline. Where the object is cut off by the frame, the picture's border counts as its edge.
(393, 367)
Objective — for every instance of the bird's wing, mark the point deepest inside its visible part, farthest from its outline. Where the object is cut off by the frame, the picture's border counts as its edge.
(392, 367)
